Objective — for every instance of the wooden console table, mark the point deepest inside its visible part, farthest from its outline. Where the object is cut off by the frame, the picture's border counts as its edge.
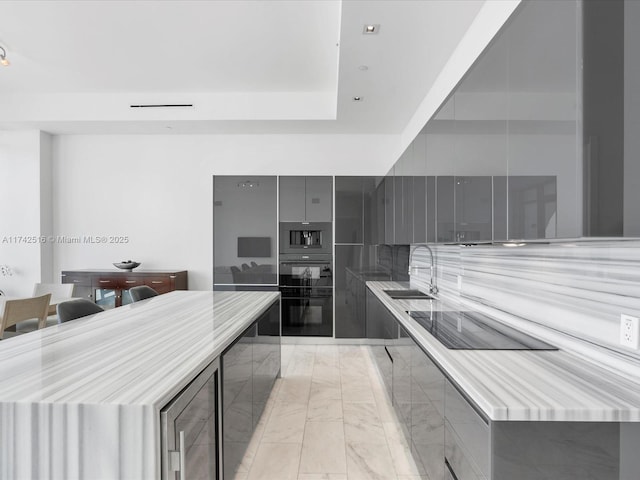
(109, 288)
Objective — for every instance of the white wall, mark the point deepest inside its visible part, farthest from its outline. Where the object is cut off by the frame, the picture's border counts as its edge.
(157, 190)
(21, 200)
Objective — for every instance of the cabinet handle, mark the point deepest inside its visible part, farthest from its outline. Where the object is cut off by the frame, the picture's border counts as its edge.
(104, 281)
(76, 281)
(450, 470)
(130, 281)
(183, 448)
(172, 276)
(388, 354)
(156, 281)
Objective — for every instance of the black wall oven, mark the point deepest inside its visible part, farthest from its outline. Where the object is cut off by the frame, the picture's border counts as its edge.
(306, 288)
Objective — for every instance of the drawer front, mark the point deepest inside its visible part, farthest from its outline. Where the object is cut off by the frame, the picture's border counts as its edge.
(458, 462)
(468, 430)
(106, 282)
(78, 280)
(161, 284)
(129, 282)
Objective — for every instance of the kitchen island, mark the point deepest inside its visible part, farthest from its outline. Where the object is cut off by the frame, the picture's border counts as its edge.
(503, 414)
(83, 399)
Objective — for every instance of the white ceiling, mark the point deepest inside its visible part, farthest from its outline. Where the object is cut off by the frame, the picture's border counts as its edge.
(247, 66)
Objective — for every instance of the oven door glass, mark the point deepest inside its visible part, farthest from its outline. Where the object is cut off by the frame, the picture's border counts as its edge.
(307, 312)
(305, 274)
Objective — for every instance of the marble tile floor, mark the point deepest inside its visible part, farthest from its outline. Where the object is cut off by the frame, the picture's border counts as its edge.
(328, 418)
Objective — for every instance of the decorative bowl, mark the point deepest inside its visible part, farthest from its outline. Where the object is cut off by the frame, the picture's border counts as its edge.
(127, 265)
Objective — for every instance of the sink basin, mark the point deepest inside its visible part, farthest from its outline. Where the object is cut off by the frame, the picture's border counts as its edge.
(407, 295)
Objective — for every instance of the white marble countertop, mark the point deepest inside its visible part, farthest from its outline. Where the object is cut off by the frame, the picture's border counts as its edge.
(523, 385)
(85, 395)
(142, 353)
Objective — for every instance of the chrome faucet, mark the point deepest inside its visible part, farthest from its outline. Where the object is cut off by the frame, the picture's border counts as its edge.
(433, 289)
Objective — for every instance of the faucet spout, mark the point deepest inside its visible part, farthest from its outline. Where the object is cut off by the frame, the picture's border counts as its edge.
(433, 288)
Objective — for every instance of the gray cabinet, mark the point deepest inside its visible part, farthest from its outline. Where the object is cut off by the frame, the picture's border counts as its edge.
(292, 199)
(249, 369)
(353, 228)
(245, 229)
(451, 438)
(348, 294)
(349, 221)
(414, 384)
(381, 325)
(400, 349)
(419, 209)
(389, 208)
(467, 438)
(306, 199)
(473, 208)
(427, 413)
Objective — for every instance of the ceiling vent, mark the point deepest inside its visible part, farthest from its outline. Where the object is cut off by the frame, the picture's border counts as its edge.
(166, 105)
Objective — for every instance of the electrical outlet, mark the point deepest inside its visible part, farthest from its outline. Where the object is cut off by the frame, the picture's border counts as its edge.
(629, 331)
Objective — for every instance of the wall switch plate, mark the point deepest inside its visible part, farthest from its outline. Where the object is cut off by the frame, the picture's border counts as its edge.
(629, 331)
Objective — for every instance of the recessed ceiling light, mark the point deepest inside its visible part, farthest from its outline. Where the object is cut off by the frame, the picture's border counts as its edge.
(363, 68)
(371, 29)
(357, 99)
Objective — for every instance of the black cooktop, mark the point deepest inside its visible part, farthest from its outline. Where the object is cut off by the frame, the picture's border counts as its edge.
(475, 331)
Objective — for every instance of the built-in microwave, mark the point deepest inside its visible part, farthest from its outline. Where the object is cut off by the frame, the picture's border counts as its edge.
(306, 237)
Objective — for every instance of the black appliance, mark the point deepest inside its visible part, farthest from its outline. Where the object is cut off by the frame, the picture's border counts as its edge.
(475, 331)
(305, 238)
(189, 427)
(306, 288)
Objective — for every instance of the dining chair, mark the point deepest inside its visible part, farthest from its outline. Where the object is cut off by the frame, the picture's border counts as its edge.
(77, 308)
(57, 290)
(142, 292)
(235, 273)
(22, 309)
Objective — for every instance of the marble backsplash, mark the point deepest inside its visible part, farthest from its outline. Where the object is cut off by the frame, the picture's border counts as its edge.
(568, 293)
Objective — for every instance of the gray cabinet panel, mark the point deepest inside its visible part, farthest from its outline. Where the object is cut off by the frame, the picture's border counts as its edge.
(419, 208)
(237, 401)
(389, 206)
(370, 221)
(400, 349)
(445, 205)
(431, 203)
(469, 436)
(245, 229)
(473, 208)
(292, 199)
(532, 207)
(306, 199)
(427, 413)
(349, 292)
(380, 325)
(500, 207)
(379, 212)
(319, 194)
(349, 224)
(249, 369)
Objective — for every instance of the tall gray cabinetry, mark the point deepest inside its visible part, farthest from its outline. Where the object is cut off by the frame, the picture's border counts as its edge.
(245, 232)
(352, 235)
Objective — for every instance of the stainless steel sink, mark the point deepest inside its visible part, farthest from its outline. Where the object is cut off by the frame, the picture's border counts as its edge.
(408, 295)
